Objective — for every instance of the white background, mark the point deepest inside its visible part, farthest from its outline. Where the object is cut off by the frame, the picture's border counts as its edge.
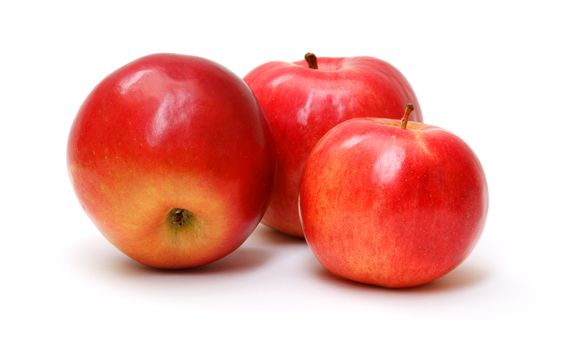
(495, 73)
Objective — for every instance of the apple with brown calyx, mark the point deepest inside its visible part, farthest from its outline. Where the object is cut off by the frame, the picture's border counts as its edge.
(172, 159)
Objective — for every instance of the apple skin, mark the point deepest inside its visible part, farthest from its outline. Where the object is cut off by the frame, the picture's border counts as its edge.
(302, 104)
(172, 132)
(389, 206)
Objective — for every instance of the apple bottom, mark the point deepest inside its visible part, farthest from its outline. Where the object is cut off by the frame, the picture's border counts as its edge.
(392, 251)
(373, 255)
(165, 220)
(358, 238)
(397, 271)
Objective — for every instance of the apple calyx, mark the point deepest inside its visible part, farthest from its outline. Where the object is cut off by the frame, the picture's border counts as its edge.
(179, 217)
(312, 60)
(408, 109)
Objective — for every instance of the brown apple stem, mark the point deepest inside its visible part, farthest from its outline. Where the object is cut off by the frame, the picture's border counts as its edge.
(312, 60)
(179, 217)
(408, 109)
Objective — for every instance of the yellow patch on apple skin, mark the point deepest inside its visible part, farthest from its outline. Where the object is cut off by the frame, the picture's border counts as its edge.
(416, 128)
(130, 207)
(422, 144)
(411, 125)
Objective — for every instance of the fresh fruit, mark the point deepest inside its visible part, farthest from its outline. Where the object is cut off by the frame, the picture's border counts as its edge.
(172, 159)
(392, 203)
(303, 100)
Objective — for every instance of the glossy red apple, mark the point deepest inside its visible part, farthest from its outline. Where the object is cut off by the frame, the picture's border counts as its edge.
(392, 203)
(172, 159)
(303, 100)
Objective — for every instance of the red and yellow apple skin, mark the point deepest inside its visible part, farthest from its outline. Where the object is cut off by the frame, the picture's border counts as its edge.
(390, 206)
(301, 104)
(172, 159)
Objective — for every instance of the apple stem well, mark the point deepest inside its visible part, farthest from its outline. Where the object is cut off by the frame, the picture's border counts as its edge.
(408, 109)
(179, 217)
(312, 60)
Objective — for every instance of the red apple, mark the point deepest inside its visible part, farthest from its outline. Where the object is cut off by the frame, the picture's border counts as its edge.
(303, 100)
(392, 203)
(172, 159)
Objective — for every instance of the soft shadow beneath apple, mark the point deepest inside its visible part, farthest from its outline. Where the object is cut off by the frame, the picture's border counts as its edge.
(463, 277)
(106, 258)
(467, 276)
(267, 235)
